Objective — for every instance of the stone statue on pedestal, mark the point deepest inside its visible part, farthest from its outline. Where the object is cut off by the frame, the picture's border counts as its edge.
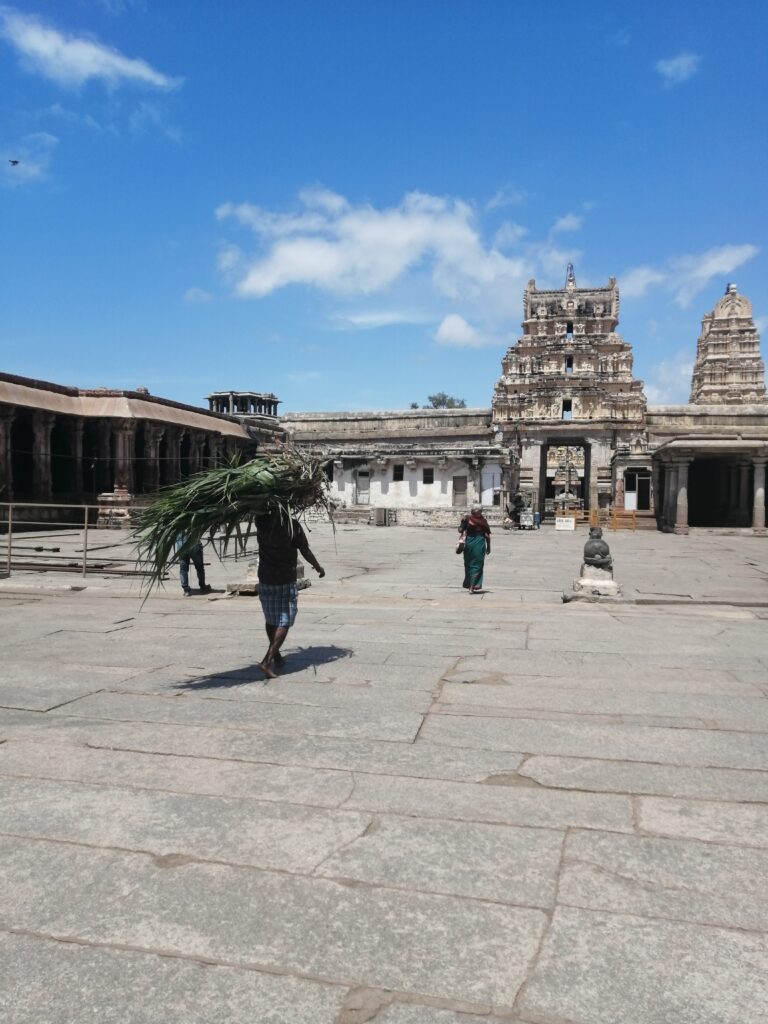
(596, 576)
(596, 551)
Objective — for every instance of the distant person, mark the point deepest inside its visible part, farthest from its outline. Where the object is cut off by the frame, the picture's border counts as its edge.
(280, 540)
(475, 533)
(194, 555)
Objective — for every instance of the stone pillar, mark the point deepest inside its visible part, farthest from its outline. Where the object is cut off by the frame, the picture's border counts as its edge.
(744, 468)
(6, 462)
(681, 507)
(78, 426)
(215, 442)
(196, 442)
(231, 403)
(42, 425)
(595, 452)
(173, 453)
(104, 480)
(758, 504)
(670, 495)
(152, 436)
(655, 480)
(125, 436)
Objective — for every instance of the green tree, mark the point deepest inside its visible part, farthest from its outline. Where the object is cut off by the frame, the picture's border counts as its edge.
(443, 401)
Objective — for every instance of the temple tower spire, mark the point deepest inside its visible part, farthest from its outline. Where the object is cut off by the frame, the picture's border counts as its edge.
(728, 367)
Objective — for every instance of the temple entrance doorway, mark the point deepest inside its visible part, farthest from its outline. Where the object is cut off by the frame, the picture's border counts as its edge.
(564, 475)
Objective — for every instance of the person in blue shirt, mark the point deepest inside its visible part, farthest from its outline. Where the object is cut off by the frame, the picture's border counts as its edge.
(194, 555)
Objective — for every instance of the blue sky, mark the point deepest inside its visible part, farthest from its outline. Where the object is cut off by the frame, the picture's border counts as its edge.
(341, 202)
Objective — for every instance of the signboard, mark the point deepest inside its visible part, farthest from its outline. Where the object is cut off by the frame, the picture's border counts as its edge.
(565, 523)
(526, 519)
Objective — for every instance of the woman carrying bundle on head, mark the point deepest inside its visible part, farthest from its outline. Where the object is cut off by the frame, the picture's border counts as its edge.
(475, 535)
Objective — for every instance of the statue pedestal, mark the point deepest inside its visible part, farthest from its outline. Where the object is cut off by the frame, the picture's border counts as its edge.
(114, 510)
(250, 585)
(594, 582)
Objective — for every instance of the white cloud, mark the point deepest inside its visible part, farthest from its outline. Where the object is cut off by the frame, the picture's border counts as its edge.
(761, 323)
(670, 381)
(569, 222)
(454, 331)
(509, 234)
(373, 319)
(33, 153)
(228, 258)
(336, 247)
(149, 115)
(693, 273)
(676, 70)
(71, 60)
(637, 281)
(686, 276)
(506, 196)
(194, 296)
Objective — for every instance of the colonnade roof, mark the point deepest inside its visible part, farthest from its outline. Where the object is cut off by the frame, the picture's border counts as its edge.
(106, 403)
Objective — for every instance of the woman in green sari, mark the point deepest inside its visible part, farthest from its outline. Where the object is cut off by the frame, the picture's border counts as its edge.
(475, 534)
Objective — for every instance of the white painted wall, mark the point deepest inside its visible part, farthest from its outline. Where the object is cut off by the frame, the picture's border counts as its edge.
(410, 492)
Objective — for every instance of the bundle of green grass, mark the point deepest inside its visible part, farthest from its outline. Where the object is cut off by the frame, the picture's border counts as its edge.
(226, 501)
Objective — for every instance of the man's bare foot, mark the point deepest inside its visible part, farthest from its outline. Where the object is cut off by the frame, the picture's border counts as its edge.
(279, 660)
(267, 670)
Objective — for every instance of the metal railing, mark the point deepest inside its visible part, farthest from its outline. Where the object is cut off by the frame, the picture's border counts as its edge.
(21, 521)
(43, 522)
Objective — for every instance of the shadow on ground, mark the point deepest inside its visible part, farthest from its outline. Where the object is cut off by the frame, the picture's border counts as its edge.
(295, 661)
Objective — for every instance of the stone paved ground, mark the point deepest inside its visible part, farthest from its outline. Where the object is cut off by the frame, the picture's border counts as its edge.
(448, 809)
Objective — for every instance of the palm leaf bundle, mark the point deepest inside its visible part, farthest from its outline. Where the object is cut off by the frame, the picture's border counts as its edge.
(226, 500)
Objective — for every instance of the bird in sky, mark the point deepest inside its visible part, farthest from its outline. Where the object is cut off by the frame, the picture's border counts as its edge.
(13, 162)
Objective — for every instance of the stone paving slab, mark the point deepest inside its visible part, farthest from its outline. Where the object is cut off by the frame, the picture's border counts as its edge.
(507, 805)
(651, 779)
(317, 787)
(518, 866)
(261, 834)
(669, 878)
(64, 983)
(263, 718)
(613, 673)
(439, 946)
(422, 760)
(742, 713)
(598, 968)
(706, 748)
(309, 694)
(739, 824)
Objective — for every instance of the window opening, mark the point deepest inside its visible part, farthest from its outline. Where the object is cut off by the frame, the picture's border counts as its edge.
(567, 409)
(569, 329)
(428, 476)
(569, 364)
(398, 473)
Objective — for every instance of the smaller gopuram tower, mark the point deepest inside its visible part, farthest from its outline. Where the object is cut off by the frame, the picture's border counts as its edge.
(728, 367)
(568, 382)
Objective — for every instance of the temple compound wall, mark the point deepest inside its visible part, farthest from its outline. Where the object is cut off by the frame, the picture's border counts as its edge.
(415, 461)
(67, 444)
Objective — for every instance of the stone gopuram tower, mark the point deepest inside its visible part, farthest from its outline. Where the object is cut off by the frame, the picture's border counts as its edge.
(728, 367)
(568, 383)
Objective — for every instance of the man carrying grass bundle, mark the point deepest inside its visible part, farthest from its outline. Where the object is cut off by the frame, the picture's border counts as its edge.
(280, 539)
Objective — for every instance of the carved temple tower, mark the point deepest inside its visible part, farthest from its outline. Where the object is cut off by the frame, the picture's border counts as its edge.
(568, 382)
(728, 367)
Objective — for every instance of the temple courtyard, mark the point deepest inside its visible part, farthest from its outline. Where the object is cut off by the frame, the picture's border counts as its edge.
(448, 809)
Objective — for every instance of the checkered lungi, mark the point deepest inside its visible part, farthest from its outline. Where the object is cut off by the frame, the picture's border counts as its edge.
(279, 602)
